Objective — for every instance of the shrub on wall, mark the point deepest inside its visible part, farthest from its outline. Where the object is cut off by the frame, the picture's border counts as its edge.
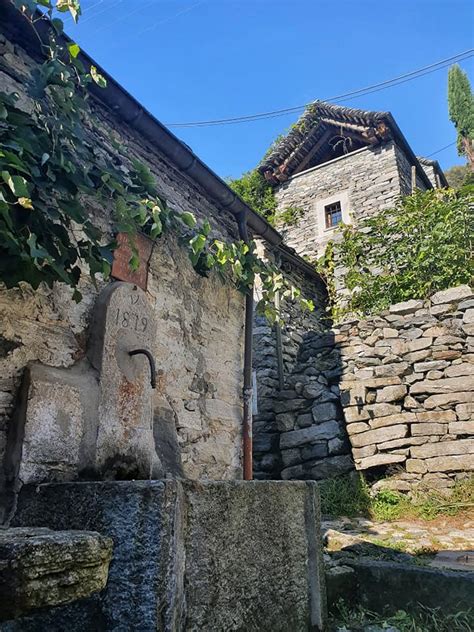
(423, 245)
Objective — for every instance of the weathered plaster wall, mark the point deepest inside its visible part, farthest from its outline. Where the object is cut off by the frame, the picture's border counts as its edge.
(199, 339)
(373, 178)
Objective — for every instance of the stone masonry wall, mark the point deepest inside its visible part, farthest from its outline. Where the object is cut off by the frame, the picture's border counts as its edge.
(199, 342)
(400, 385)
(299, 429)
(374, 178)
(408, 387)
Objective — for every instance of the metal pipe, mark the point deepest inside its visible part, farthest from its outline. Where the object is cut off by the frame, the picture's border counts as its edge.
(151, 360)
(248, 382)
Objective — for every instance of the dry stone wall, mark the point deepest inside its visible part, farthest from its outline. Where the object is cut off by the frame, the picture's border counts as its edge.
(408, 387)
(299, 428)
(390, 394)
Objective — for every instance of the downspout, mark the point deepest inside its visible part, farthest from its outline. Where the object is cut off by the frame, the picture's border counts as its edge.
(248, 385)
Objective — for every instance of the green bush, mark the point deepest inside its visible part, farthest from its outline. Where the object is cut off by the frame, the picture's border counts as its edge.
(423, 245)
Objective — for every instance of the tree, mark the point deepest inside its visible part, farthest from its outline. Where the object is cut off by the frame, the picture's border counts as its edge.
(457, 175)
(461, 111)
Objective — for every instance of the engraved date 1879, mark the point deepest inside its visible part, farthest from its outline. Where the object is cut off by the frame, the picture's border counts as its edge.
(130, 320)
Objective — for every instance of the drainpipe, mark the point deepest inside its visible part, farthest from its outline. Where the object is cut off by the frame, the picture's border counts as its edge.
(248, 385)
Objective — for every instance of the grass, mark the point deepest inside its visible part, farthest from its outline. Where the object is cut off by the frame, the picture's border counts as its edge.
(423, 620)
(350, 496)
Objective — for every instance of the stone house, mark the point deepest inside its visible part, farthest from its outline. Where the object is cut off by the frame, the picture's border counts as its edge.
(381, 394)
(341, 164)
(199, 342)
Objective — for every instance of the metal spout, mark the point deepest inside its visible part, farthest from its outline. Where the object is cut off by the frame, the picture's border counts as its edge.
(151, 360)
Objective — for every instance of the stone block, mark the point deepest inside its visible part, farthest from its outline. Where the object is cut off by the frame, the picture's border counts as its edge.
(380, 382)
(291, 457)
(464, 463)
(167, 538)
(324, 412)
(446, 354)
(406, 307)
(388, 332)
(42, 568)
(315, 451)
(54, 432)
(465, 412)
(379, 435)
(290, 405)
(285, 421)
(448, 399)
(355, 413)
(382, 410)
(434, 365)
(397, 368)
(440, 417)
(416, 466)
(446, 385)
(434, 375)
(392, 420)
(360, 453)
(353, 395)
(419, 344)
(330, 467)
(305, 420)
(444, 448)
(379, 459)
(418, 356)
(391, 393)
(457, 370)
(453, 295)
(429, 429)
(461, 428)
(357, 427)
(401, 443)
(295, 438)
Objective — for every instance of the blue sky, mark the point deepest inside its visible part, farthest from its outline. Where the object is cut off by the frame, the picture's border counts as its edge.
(188, 60)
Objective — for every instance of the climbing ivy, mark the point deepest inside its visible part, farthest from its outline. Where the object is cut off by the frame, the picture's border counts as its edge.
(52, 172)
(423, 245)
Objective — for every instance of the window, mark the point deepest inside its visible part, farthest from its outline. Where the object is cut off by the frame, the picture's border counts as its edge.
(333, 214)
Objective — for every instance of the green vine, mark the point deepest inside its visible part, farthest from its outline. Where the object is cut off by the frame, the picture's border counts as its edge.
(52, 172)
(423, 245)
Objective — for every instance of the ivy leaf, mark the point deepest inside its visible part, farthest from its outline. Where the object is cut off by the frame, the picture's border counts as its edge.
(197, 243)
(156, 228)
(72, 6)
(73, 49)
(44, 3)
(37, 252)
(17, 184)
(57, 25)
(99, 79)
(44, 158)
(188, 219)
(3, 112)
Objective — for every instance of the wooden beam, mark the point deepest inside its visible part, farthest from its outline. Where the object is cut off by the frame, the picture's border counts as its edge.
(324, 138)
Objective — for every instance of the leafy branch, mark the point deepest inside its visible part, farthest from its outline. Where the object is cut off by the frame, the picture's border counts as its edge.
(52, 172)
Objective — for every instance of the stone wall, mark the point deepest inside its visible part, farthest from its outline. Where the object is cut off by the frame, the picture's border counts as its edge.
(400, 385)
(373, 178)
(299, 429)
(198, 348)
(408, 388)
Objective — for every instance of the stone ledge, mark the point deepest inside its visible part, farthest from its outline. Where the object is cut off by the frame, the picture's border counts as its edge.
(40, 568)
